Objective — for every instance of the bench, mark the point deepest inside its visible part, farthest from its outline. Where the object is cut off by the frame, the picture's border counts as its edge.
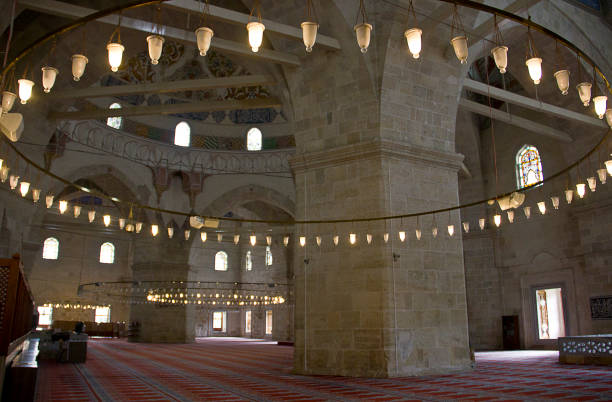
(20, 380)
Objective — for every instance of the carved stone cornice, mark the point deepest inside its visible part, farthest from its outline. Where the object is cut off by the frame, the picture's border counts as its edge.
(379, 149)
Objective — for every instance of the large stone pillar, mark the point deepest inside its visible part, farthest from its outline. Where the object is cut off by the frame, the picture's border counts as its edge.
(162, 260)
(384, 309)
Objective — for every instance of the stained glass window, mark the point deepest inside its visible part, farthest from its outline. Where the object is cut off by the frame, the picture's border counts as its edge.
(528, 166)
(115, 122)
(249, 261)
(50, 248)
(221, 261)
(182, 134)
(254, 140)
(107, 253)
(269, 259)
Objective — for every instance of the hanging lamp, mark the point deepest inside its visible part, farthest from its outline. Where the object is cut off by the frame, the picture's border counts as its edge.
(48, 78)
(466, 227)
(584, 88)
(77, 211)
(533, 62)
(497, 219)
(363, 30)
(527, 211)
(413, 35)
(255, 28)
(204, 33)
(8, 100)
(602, 173)
(499, 52)
(115, 49)
(25, 90)
(79, 62)
(310, 27)
(562, 76)
(36, 194)
(155, 42)
(555, 202)
(458, 37)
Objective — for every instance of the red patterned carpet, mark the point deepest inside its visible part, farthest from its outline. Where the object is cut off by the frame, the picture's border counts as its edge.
(233, 369)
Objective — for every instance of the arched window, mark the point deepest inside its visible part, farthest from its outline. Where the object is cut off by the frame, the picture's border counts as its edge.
(50, 248)
(254, 139)
(115, 122)
(528, 166)
(221, 261)
(249, 261)
(182, 134)
(107, 253)
(269, 259)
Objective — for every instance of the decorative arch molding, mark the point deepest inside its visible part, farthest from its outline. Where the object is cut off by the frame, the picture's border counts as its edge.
(241, 195)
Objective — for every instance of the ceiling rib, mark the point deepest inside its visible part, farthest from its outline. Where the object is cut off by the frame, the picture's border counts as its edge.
(165, 87)
(189, 107)
(530, 103)
(516, 121)
(67, 10)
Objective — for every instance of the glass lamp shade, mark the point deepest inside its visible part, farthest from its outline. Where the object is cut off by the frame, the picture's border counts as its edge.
(352, 238)
(13, 181)
(609, 117)
(48, 78)
(584, 91)
(418, 234)
(555, 202)
(204, 37)
(91, 215)
(510, 216)
(25, 90)
(369, 238)
(129, 227)
(253, 240)
(121, 223)
(527, 211)
(79, 62)
(115, 54)
(4, 173)
(302, 241)
(481, 223)
(434, 231)
(49, 201)
(386, 237)
(219, 237)
(600, 105)
(8, 100)
(534, 65)
(562, 77)
(569, 196)
(602, 173)
(497, 219)
(36, 194)
(256, 30)
(236, 239)
(466, 227)
(592, 181)
(286, 240)
(63, 206)
(24, 187)
(309, 34)
(500, 55)
(542, 207)
(336, 240)
(107, 220)
(363, 32)
(138, 227)
(203, 237)
(77, 211)
(318, 240)
(460, 47)
(402, 236)
(581, 189)
(187, 234)
(155, 44)
(413, 38)
(154, 230)
(609, 167)
(451, 230)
